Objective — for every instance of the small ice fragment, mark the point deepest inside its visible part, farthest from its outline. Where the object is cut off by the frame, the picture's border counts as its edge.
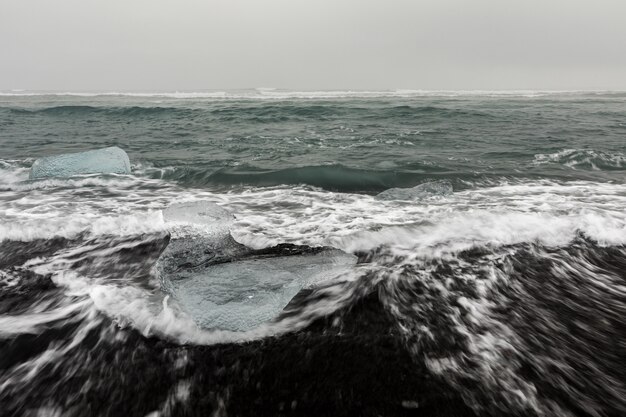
(200, 219)
(200, 232)
(410, 404)
(111, 160)
(198, 212)
(419, 192)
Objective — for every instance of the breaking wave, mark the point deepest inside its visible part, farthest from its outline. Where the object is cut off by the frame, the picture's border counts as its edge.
(276, 94)
(511, 301)
(584, 159)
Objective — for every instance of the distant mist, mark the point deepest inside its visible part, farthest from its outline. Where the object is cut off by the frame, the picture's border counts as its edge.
(190, 45)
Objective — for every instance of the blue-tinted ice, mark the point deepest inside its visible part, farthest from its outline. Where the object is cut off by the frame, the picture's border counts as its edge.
(225, 285)
(111, 160)
(241, 295)
(419, 192)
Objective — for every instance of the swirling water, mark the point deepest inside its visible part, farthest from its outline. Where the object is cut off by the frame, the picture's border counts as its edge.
(488, 231)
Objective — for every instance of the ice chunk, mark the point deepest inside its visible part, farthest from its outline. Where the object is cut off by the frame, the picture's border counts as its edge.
(225, 285)
(198, 228)
(199, 213)
(243, 294)
(419, 192)
(111, 160)
(193, 251)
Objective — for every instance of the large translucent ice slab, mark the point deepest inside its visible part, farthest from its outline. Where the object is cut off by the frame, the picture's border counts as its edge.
(225, 285)
(111, 160)
(243, 294)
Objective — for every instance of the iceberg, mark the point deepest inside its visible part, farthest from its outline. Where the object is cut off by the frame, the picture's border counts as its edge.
(419, 192)
(111, 160)
(225, 285)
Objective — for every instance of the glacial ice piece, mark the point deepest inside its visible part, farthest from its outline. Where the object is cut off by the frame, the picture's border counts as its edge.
(243, 294)
(198, 228)
(225, 285)
(419, 192)
(199, 213)
(111, 160)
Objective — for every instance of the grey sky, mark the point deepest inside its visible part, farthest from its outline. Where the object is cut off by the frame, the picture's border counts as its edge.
(118, 45)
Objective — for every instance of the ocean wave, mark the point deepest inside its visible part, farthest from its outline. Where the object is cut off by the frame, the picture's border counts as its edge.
(584, 159)
(123, 111)
(506, 213)
(253, 112)
(73, 225)
(13, 172)
(86, 269)
(21, 182)
(329, 177)
(502, 291)
(479, 229)
(274, 94)
(506, 325)
(301, 214)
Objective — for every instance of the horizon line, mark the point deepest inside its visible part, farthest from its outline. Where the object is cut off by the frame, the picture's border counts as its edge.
(267, 92)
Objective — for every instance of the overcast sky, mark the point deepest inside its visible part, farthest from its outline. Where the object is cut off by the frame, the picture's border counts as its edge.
(165, 45)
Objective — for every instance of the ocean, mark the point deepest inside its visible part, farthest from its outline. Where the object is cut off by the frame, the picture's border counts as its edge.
(365, 253)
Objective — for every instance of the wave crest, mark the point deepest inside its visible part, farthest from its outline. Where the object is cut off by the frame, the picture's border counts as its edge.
(584, 159)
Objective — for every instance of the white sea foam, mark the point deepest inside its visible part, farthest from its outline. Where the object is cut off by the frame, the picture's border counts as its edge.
(111, 180)
(540, 210)
(584, 158)
(71, 226)
(12, 172)
(547, 212)
(32, 322)
(17, 379)
(507, 213)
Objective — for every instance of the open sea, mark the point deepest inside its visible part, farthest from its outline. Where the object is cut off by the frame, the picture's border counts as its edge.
(402, 253)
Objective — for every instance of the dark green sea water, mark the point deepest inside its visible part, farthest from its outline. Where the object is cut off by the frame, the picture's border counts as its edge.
(343, 143)
(322, 253)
